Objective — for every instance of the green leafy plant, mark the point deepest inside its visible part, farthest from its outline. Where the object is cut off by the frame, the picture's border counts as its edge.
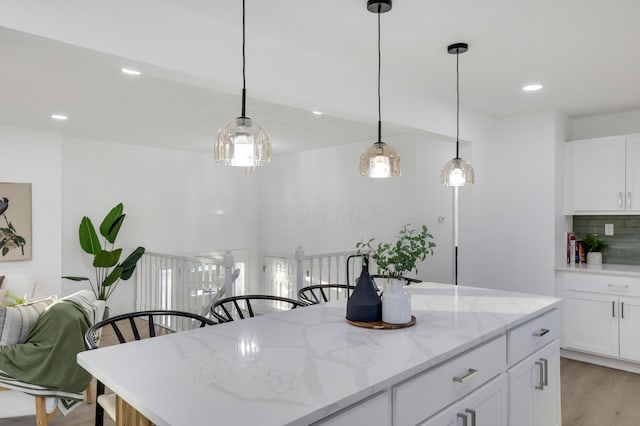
(396, 259)
(593, 243)
(13, 300)
(105, 257)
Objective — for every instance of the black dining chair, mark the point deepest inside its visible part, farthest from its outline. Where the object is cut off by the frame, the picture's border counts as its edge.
(322, 293)
(130, 327)
(241, 307)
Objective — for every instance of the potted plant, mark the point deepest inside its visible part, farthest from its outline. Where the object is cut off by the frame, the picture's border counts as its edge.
(594, 247)
(106, 259)
(394, 261)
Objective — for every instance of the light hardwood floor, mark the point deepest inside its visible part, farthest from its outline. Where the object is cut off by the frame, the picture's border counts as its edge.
(591, 396)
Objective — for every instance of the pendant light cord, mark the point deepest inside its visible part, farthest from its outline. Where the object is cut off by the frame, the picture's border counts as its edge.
(244, 81)
(379, 68)
(457, 103)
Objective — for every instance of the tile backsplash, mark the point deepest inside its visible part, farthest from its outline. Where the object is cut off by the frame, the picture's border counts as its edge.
(624, 244)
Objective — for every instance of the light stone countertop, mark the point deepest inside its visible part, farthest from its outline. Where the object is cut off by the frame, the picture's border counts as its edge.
(606, 269)
(297, 367)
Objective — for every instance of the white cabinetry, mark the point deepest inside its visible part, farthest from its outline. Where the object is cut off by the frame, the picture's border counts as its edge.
(606, 175)
(511, 380)
(375, 411)
(486, 406)
(602, 315)
(534, 389)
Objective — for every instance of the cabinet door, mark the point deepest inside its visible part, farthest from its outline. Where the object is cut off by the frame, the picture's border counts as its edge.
(599, 174)
(487, 405)
(534, 389)
(630, 328)
(591, 322)
(447, 417)
(546, 402)
(633, 174)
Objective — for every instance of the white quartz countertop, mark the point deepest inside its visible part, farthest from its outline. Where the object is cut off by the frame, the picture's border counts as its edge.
(296, 367)
(606, 269)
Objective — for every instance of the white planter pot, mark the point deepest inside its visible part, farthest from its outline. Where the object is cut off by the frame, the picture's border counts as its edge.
(594, 258)
(396, 303)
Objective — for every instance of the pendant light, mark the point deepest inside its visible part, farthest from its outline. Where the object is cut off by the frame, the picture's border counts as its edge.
(457, 172)
(379, 160)
(242, 142)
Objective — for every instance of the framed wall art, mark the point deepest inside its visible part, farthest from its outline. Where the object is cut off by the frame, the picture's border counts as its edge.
(16, 240)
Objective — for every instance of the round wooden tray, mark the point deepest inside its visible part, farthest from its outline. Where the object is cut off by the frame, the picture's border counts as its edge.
(381, 325)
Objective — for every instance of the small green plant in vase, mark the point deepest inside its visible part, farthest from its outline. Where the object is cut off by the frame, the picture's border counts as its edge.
(106, 259)
(594, 247)
(394, 261)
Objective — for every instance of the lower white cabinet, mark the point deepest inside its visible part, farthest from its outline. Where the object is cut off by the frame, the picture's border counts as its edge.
(603, 324)
(534, 389)
(486, 406)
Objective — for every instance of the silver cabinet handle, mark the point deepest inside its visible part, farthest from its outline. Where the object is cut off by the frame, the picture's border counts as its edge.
(464, 418)
(618, 285)
(541, 376)
(628, 200)
(470, 373)
(545, 363)
(620, 199)
(622, 309)
(473, 415)
(541, 332)
(613, 309)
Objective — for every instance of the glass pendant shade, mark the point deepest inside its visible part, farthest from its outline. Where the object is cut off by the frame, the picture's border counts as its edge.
(457, 172)
(243, 143)
(380, 161)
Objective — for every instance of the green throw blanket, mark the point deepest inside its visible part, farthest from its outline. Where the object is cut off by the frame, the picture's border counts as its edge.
(48, 356)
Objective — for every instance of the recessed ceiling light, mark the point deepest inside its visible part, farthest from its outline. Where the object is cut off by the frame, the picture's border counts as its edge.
(315, 112)
(59, 117)
(130, 71)
(532, 87)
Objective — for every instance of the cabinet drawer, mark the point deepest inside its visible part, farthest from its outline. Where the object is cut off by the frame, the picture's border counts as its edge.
(531, 336)
(374, 411)
(425, 394)
(602, 283)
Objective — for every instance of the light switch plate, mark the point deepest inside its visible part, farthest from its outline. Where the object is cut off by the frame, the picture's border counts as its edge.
(608, 229)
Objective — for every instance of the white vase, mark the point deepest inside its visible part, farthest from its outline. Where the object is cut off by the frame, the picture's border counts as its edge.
(594, 258)
(396, 303)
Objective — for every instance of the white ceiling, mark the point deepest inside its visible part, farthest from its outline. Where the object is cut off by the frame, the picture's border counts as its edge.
(582, 51)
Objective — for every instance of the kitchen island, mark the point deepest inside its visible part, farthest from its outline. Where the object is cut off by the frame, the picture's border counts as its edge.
(309, 365)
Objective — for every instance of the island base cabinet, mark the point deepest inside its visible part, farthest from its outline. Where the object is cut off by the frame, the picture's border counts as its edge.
(486, 406)
(534, 389)
(374, 411)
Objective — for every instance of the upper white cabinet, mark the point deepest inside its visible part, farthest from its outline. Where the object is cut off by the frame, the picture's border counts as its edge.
(604, 175)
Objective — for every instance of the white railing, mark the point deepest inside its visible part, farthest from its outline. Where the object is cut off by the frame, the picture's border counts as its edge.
(169, 282)
(284, 275)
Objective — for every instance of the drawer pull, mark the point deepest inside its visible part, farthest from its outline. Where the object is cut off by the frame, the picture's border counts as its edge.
(470, 373)
(473, 415)
(622, 309)
(541, 332)
(541, 376)
(620, 199)
(613, 309)
(545, 362)
(618, 285)
(464, 418)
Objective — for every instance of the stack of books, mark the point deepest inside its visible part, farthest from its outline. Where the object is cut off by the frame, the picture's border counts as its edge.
(576, 252)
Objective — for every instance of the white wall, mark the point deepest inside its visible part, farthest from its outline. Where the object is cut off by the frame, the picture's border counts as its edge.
(595, 126)
(318, 200)
(513, 223)
(177, 202)
(30, 156)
